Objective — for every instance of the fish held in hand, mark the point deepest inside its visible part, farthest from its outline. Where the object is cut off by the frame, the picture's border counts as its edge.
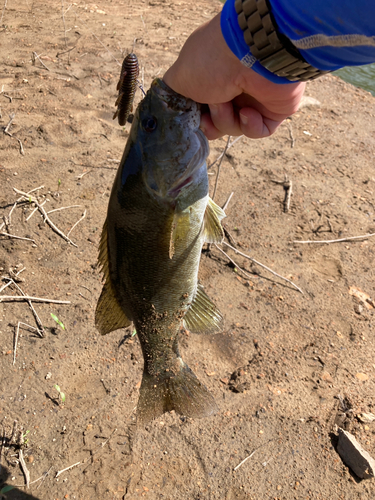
(159, 216)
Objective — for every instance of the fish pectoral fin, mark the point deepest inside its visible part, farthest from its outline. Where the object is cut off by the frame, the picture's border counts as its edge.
(109, 315)
(213, 232)
(179, 230)
(180, 391)
(203, 316)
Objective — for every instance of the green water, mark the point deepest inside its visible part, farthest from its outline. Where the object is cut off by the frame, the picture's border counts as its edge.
(360, 76)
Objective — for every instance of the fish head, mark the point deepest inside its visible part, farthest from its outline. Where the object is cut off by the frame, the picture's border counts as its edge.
(172, 146)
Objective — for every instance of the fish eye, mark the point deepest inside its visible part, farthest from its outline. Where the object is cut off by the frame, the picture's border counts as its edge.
(149, 124)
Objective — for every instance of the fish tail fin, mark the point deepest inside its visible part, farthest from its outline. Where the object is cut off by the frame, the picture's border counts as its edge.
(181, 391)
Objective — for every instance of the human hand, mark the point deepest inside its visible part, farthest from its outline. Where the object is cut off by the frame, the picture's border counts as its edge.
(240, 100)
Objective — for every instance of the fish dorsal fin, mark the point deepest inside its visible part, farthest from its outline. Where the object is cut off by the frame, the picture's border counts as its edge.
(213, 232)
(109, 315)
(179, 230)
(203, 316)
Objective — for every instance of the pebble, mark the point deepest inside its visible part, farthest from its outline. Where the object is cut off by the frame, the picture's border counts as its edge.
(354, 456)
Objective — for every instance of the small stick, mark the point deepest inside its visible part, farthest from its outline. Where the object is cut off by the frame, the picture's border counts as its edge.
(12, 117)
(37, 319)
(20, 298)
(291, 134)
(4, 286)
(35, 480)
(225, 206)
(65, 51)
(262, 265)
(12, 438)
(35, 210)
(219, 168)
(16, 338)
(2, 14)
(288, 195)
(35, 55)
(22, 151)
(350, 238)
(25, 470)
(63, 18)
(229, 236)
(2, 233)
(44, 477)
(222, 154)
(76, 224)
(79, 177)
(45, 216)
(67, 468)
(244, 460)
(251, 454)
(233, 262)
(15, 344)
(62, 208)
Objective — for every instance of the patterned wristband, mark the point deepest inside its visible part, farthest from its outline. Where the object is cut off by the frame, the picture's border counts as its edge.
(272, 49)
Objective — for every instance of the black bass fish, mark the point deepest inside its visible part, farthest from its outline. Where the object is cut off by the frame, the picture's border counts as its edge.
(159, 216)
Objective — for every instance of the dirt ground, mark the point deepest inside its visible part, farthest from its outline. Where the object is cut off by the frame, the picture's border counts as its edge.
(289, 366)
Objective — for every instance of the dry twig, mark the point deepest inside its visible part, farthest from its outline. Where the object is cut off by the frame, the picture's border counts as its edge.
(16, 338)
(76, 224)
(36, 56)
(350, 238)
(222, 154)
(67, 468)
(262, 265)
(219, 168)
(2, 233)
(37, 319)
(20, 298)
(45, 216)
(25, 470)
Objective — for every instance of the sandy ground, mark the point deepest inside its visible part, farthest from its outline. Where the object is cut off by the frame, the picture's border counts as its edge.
(285, 359)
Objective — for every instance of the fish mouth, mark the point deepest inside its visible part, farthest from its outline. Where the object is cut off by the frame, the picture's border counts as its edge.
(172, 99)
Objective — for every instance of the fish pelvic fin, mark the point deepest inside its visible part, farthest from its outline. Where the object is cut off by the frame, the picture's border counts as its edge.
(109, 315)
(203, 316)
(213, 232)
(181, 391)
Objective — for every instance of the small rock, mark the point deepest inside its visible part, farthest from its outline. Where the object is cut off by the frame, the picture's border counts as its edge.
(354, 456)
(362, 376)
(366, 418)
(48, 376)
(307, 101)
(326, 377)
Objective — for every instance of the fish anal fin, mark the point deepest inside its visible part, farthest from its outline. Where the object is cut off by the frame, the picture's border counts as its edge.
(203, 316)
(213, 231)
(109, 315)
(181, 391)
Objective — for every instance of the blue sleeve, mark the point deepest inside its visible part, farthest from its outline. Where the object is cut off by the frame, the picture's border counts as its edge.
(329, 34)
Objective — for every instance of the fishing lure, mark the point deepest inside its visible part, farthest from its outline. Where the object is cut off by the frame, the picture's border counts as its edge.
(126, 87)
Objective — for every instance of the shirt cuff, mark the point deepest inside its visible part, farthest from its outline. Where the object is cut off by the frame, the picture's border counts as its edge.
(233, 35)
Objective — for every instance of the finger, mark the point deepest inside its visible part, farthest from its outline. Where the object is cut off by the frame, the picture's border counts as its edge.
(208, 128)
(256, 126)
(225, 119)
